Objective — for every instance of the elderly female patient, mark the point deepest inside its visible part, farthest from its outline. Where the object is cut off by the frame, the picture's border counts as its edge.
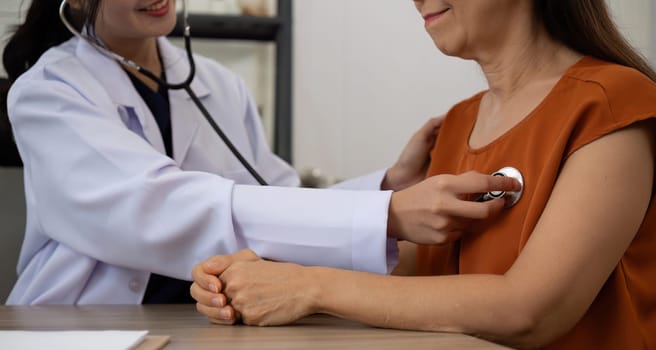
(573, 264)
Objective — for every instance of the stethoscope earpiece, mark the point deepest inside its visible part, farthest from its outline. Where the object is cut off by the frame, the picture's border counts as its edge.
(511, 198)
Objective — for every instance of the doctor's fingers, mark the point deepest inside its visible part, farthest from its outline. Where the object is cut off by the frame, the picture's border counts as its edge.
(465, 209)
(422, 142)
(442, 232)
(431, 127)
(225, 316)
(474, 183)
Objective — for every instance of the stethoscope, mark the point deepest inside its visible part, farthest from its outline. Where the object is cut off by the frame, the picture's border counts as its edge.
(185, 85)
(511, 197)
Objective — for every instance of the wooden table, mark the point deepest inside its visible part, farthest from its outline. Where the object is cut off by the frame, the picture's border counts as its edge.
(191, 330)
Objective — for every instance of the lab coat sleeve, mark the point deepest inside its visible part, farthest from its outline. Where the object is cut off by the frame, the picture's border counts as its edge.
(371, 181)
(317, 235)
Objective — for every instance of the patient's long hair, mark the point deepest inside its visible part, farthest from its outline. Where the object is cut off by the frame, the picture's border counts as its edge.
(587, 27)
(42, 30)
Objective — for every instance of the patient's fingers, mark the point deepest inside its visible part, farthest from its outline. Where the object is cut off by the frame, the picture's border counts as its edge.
(206, 297)
(225, 315)
(205, 273)
(245, 255)
(206, 280)
(218, 263)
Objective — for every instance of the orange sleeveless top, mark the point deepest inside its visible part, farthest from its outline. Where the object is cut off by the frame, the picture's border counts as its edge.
(592, 99)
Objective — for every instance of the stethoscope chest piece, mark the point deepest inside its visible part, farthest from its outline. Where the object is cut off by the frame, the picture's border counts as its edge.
(511, 198)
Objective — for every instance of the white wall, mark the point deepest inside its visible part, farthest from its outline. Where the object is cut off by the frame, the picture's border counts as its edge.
(367, 75)
(636, 20)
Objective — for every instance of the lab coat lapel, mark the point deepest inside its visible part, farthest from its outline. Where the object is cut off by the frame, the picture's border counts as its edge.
(185, 116)
(120, 89)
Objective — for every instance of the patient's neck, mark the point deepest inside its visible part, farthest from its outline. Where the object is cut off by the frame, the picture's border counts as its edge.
(536, 60)
(520, 77)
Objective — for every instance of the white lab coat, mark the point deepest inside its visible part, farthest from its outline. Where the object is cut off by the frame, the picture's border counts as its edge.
(106, 206)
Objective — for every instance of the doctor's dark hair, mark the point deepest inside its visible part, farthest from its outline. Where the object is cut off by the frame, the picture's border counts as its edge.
(42, 30)
(586, 26)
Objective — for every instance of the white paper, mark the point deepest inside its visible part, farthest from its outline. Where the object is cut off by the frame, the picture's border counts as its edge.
(71, 340)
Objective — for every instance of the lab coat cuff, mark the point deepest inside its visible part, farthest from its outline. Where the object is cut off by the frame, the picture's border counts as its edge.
(392, 254)
(369, 182)
(372, 250)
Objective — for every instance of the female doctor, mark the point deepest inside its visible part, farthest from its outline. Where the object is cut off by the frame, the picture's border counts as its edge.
(127, 188)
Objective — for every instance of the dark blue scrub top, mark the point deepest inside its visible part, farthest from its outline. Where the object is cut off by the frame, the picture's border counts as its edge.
(162, 289)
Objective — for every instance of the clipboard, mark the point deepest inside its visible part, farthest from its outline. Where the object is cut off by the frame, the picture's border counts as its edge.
(153, 342)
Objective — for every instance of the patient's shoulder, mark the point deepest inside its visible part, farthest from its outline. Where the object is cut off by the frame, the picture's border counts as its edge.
(616, 81)
(624, 90)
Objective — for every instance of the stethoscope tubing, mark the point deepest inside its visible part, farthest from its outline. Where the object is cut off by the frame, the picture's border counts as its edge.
(185, 85)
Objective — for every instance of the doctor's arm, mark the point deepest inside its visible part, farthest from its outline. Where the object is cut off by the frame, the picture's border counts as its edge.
(542, 296)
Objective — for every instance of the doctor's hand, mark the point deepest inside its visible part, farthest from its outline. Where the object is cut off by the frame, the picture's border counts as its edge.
(208, 290)
(440, 209)
(413, 162)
